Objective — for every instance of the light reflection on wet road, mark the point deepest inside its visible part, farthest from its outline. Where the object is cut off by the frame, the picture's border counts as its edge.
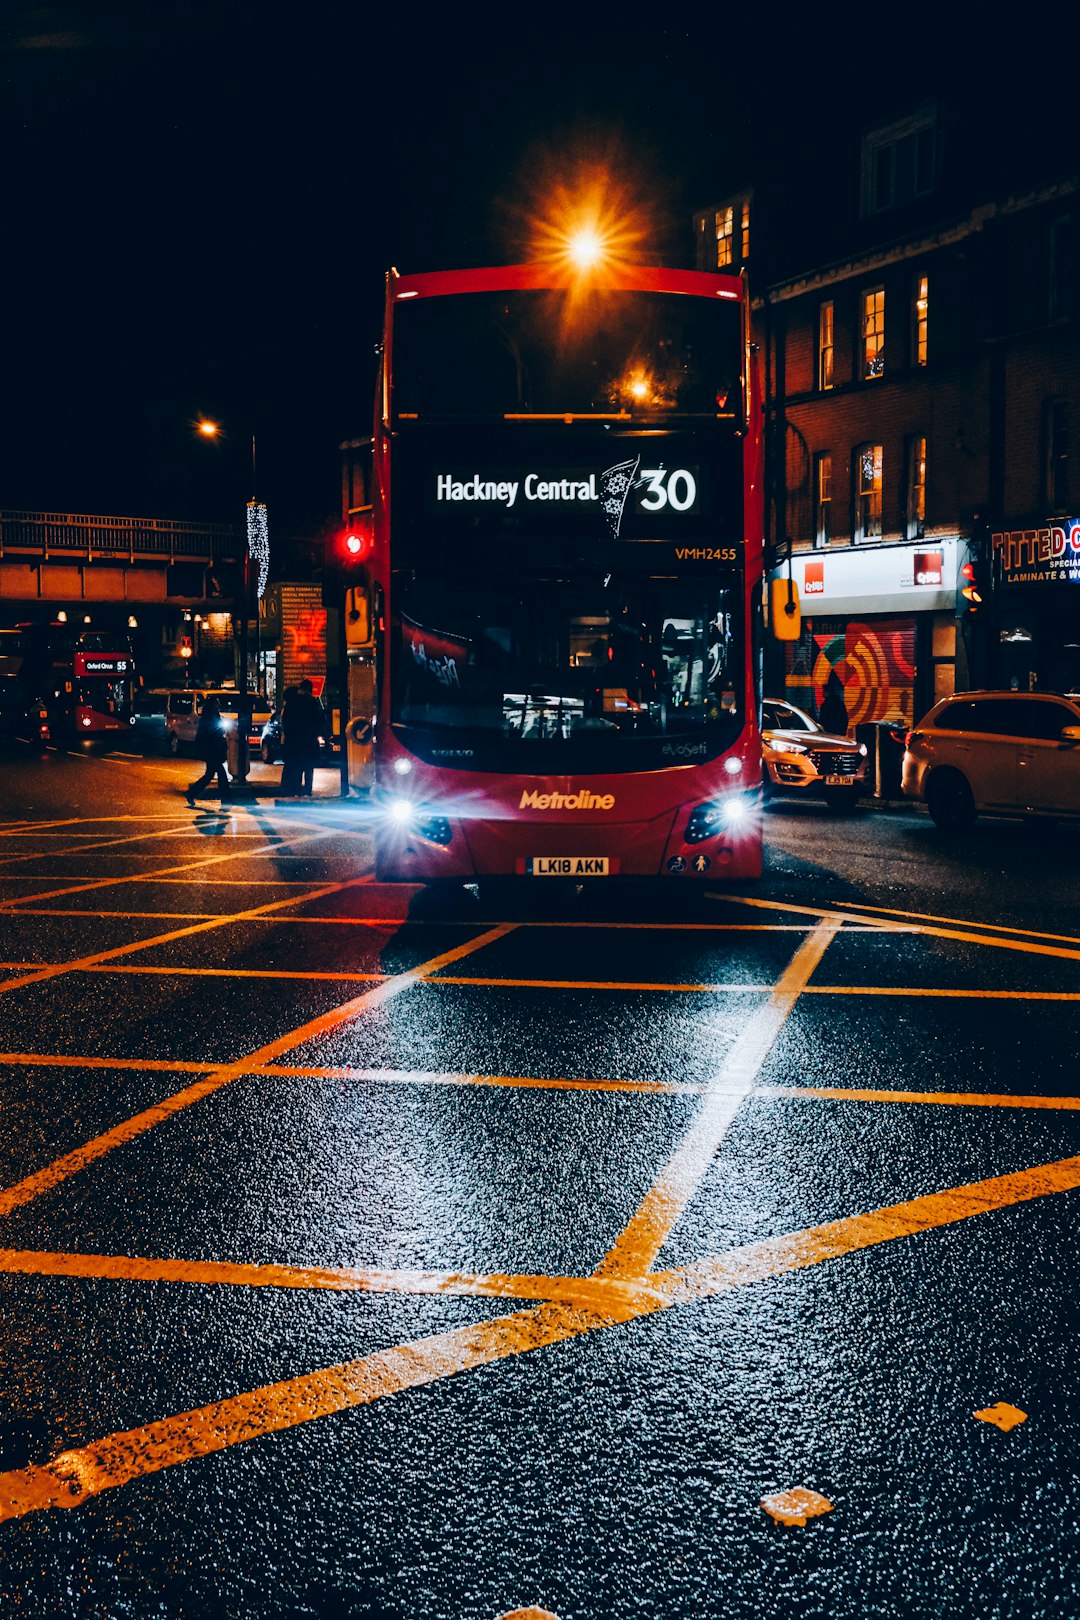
(642, 1253)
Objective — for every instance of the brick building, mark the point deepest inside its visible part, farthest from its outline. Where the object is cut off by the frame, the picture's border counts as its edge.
(915, 296)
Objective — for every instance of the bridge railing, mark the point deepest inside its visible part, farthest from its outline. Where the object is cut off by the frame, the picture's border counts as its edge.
(130, 537)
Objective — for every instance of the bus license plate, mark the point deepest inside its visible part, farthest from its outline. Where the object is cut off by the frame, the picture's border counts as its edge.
(567, 866)
(838, 781)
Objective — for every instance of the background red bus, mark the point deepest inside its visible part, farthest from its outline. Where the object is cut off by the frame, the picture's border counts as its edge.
(84, 679)
(567, 562)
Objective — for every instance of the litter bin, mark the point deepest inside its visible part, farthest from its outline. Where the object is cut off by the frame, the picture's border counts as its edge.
(884, 741)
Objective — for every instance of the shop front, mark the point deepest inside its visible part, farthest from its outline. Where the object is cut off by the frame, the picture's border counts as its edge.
(1037, 607)
(883, 619)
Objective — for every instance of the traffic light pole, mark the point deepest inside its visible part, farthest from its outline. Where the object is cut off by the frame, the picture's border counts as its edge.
(243, 715)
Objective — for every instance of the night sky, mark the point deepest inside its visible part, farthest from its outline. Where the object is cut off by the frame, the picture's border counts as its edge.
(201, 200)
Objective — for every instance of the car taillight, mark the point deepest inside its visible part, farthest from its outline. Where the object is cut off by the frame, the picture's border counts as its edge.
(912, 736)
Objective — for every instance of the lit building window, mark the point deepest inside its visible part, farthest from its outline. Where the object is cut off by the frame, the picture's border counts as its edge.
(916, 487)
(822, 497)
(873, 332)
(921, 314)
(725, 232)
(745, 231)
(826, 344)
(868, 461)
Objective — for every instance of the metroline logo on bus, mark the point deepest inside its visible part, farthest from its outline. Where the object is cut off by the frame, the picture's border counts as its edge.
(533, 799)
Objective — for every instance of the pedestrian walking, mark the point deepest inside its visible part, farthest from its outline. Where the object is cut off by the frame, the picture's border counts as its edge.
(303, 727)
(212, 747)
(833, 713)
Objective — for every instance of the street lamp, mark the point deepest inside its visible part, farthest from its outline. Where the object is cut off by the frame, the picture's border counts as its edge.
(257, 546)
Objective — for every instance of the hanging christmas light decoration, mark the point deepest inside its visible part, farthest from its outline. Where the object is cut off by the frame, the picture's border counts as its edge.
(258, 539)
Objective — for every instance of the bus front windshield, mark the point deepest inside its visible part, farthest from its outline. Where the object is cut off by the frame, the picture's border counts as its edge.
(105, 694)
(536, 353)
(571, 671)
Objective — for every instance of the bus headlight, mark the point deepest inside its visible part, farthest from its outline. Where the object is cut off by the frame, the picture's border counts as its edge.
(420, 820)
(711, 819)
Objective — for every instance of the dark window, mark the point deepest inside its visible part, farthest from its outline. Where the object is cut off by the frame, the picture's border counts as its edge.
(1010, 717)
(957, 717)
(898, 162)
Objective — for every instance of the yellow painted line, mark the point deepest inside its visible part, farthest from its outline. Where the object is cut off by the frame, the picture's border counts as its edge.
(587, 1293)
(637, 1246)
(931, 990)
(598, 984)
(420, 1077)
(147, 877)
(402, 1077)
(216, 1076)
(84, 848)
(948, 1099)
(794, 1251)
(117, 1459)
(151, 1065)
(1002, 928)
(85, 963)
(428, 1077)
(69, 911)
(71, 821)
(964, 936)
(74, 1476)
(236, 973)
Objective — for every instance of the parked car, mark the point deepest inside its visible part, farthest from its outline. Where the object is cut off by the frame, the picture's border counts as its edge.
(1009, 753)
(182, 717)
(800, 759)
(270, 746)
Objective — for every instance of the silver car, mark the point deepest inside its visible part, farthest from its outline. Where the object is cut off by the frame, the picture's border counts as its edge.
(800, 759)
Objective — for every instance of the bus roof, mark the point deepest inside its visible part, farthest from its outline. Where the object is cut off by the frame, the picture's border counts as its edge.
(612, 278)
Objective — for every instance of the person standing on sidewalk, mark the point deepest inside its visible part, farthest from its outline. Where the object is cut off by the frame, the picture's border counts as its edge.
(833, 712)
(212, 747)
(303, 727)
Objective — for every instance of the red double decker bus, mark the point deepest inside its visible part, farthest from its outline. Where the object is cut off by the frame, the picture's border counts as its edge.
(567, 568)
(84, 679)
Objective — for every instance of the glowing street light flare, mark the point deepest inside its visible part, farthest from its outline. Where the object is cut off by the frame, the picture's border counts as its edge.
(586, 248)
(585, 218)
(209, 430)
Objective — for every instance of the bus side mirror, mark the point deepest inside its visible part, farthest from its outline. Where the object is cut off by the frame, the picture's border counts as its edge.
(784, 613)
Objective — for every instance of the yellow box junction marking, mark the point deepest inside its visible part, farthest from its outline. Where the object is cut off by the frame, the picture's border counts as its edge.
(622, 1289)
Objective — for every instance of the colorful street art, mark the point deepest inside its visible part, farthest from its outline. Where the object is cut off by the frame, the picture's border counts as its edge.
(875, 661)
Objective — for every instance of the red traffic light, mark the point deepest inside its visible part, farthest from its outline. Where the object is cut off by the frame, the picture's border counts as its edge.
(970, 588)
(356, 544)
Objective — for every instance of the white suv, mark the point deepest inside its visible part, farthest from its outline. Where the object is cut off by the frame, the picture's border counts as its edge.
(1011, 753)
(184, 709)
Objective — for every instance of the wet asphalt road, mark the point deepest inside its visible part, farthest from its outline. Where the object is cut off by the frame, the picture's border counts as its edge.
(369, 1253)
